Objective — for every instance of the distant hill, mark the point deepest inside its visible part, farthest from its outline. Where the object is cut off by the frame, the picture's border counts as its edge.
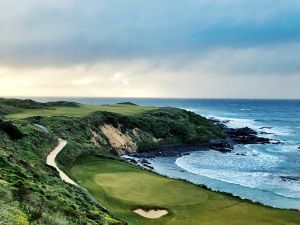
(11, 105)
(127, 103)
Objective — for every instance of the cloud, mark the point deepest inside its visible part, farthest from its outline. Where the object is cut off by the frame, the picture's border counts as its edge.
(58, 33)
(170, 48)
(266, 60)
(146, 78)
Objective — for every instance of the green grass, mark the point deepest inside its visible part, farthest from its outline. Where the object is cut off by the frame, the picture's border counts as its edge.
(31, 191)
(81, 110)
(122, 187)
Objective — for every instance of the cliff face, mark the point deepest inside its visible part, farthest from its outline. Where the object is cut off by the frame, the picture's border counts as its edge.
(122, 143)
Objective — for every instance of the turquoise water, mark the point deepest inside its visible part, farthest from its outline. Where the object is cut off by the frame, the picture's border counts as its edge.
(268, 173)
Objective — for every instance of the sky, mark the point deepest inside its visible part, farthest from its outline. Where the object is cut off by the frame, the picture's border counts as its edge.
(157, 48)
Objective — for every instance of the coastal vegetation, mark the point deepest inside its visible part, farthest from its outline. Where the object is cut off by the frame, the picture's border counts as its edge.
(32, 192)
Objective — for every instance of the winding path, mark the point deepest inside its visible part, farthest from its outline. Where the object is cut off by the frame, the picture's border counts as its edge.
(51, 162)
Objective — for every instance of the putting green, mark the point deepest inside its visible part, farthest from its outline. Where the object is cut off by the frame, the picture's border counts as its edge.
(121, 188)
(134, 182)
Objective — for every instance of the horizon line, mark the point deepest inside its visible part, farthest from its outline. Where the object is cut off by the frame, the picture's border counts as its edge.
(183, 98)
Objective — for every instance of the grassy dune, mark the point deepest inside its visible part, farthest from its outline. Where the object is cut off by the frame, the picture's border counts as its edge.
(122, 187)
(79, 111)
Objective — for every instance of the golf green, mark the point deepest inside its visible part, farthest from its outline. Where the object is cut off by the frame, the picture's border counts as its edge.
(122, 188)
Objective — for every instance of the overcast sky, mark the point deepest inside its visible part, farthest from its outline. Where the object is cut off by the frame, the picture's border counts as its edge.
(157, 48)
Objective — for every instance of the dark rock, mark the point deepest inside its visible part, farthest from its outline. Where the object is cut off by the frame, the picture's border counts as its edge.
(262, 140)
(245, 131)
(144, 161)
(263, 132)
(290, 178)
(276, 142)
(131, 160)
(214, 120)
(186, 153)
(148, 166)
(217, 122)
(265, 128)
(221, 145)
(11, 130)
(245, 136)
(168, 151)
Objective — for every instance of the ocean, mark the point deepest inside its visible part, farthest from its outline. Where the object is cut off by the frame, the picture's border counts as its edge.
(265, 173)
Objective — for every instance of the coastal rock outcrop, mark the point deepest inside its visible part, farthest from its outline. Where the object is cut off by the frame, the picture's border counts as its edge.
(222, 145)
(234, 136)
(245, 136)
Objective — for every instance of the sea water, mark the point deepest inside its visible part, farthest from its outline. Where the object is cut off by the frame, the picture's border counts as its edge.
(265, 173)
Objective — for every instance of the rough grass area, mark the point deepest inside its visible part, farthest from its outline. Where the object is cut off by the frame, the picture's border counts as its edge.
(79, 111)
(122, 188)
(32, 193)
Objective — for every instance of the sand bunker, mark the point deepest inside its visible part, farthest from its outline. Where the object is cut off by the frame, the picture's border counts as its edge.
(151, 213)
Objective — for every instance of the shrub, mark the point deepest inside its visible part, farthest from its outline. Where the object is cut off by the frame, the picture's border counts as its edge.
(11, 214)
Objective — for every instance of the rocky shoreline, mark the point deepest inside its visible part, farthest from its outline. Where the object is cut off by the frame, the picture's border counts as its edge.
(234, 136)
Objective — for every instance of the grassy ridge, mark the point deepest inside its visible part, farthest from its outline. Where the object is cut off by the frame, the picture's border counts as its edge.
(20, 109)
(122, 187)
(33, 193)
(79, 111)
(10, 105)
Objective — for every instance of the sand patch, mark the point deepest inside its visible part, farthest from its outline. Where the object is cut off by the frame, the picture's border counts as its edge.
(151, 213)
(119, 141)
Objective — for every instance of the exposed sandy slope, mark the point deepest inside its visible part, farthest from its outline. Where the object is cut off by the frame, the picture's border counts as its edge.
(119, 141)
(151, 214)
(96, 139)
(51, 162)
